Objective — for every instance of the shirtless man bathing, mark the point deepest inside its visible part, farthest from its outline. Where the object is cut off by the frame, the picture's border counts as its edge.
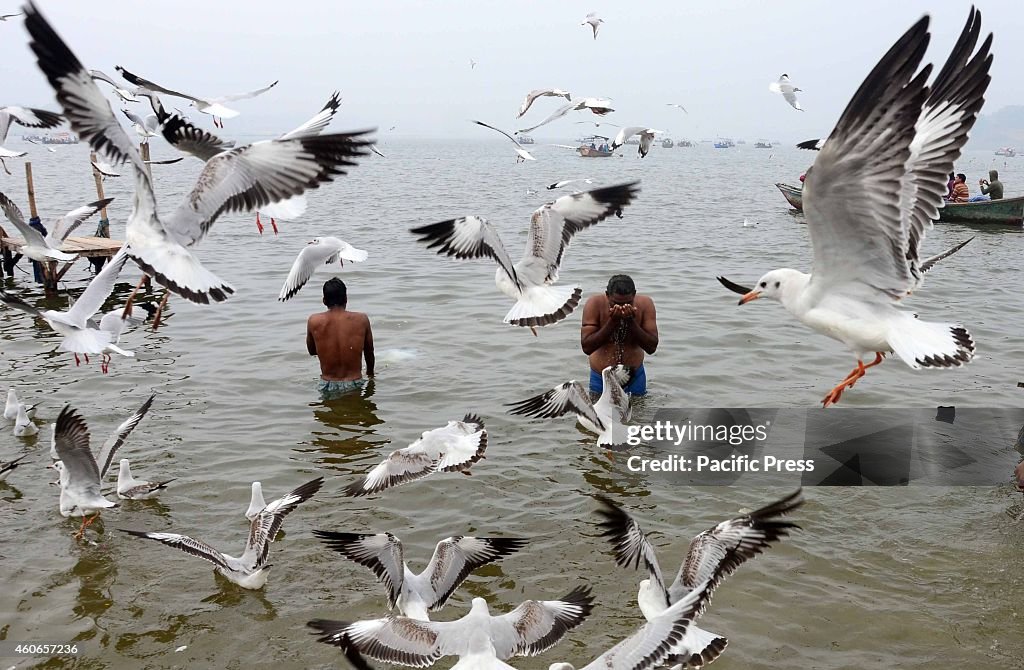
(619, 327)
(341, 339)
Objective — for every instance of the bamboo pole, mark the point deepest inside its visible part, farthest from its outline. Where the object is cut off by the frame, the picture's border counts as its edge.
(144, 152)
(31, 191)
(99, 183)
(49, 269)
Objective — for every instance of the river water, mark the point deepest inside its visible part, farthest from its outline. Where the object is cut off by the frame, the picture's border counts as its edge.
(885, 577)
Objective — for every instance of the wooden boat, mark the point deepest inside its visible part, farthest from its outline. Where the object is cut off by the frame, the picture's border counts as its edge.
(1005, 211)
(586, 151)
(524, 139)
(684, 143)
(763, 144)
(794, 195)
(667, 143)
(1009, 152)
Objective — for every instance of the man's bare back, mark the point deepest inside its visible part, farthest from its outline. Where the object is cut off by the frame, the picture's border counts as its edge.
(341, 339)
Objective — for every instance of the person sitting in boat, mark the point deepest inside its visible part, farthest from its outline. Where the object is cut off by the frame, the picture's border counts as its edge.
(991, 188)
(949, 186)
(593, 147)
(961, 193)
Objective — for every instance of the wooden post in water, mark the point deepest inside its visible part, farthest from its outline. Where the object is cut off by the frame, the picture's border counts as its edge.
(144, 152)
(99, 182)
(49, 268)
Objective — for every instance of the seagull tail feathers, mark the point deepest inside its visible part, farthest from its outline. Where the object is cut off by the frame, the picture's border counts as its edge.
(179, 271)
(544, 305)
(925, 344)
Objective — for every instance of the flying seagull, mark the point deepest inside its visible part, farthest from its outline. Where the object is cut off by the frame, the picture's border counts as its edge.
(593, 22)
(610, 412)
(599, 106)
(215, 107)
(123, 93)
(788, 91)
(251, 569)
(530, 280)
(29, 117)
(713, 555)
(40, 248)
(80, 476)
(453, 448)
(6, 467)
(897, 139)
(318, 252)
(240, 180)
(521, 153)
(538, 93)
(417, 594)
(672, 104)
(646, 138)
(479, 639)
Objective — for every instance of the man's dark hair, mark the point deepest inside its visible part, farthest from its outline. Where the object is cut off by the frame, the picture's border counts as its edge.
(335, 293)
(961, 175)
(621, 285)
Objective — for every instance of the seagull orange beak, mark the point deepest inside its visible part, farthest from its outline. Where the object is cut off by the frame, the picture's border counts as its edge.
(753, 295)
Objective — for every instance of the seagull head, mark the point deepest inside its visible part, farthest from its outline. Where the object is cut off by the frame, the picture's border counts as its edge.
(315, 240)
(781, 285)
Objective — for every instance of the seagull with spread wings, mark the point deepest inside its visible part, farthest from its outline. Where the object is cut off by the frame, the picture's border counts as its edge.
(896, 141)
(79, 336)
(215, 107)
(713, 555)
(112, 443)
(122, 92)
(251, 569)
(318, 252)
(240, 180)
(479, 639)
(417, 594)
(539, 93)
(599, 106)
(530, 280)
(610, 412)
(29, 117)
(80, 476)
(452, 448)
(7, 467)
(788, 91)
(593, 21)
(40, 248)
(522, 154)
(144, 127)
(646, 138)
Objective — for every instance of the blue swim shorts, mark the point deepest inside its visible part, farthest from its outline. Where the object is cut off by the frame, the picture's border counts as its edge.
(637, 383)
(332, 389)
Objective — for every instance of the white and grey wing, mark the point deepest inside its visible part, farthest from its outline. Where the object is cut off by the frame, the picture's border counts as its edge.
(851, 193)
(31, 117)
(185, 543)
(65, 225)
(629, 542)
(71, 442)
(457, 445)
(398, 639)
(952, 107)
(247, 178)
(136, 80)
(114, 442)
(557, 114)
(85, 107)
(719, 551)
(315, 125)
(655, 641)
(309, 259)
(184, 136)
(400, 467)
(244, 96)
(456, 557)
(567, 398)
(17, 303)
(14, 215)
(537, 625)
(264, 528)
(624, 134)
(467, 237)
(930, 262)
(381, 553)
(97, 292)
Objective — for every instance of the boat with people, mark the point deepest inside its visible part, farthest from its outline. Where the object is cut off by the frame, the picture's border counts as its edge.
(667, 143)
(1005, 211)
(684, 143)
(724, 143)
(762, 144)
(594, 146)
(524, 139)
(1009, 152)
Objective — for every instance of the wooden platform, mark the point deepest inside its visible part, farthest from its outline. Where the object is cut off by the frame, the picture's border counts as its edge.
(82, 247)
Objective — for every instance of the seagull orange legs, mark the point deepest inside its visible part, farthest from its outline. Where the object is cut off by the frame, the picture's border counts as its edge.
(86, 522)
(851, 379)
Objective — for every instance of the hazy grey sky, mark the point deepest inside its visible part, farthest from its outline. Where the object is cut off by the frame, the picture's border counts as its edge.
(407, 64)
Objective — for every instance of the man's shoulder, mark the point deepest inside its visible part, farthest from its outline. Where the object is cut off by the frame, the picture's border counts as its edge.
(643, 301)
